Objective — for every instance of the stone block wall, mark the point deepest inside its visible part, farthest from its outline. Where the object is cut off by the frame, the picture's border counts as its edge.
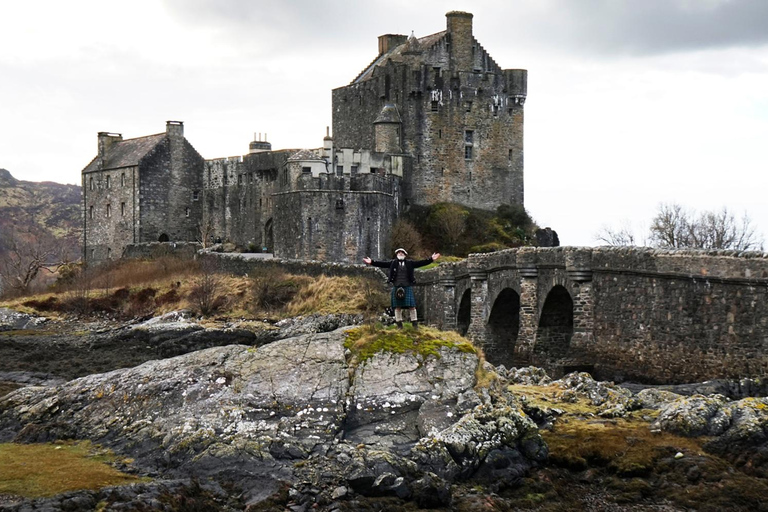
(111, 212)
(637, 314)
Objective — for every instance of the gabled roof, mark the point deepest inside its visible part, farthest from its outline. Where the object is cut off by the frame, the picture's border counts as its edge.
(397, 53)
(127, 153)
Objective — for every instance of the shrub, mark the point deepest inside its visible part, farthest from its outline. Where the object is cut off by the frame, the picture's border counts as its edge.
(404, 234)
(272, 288)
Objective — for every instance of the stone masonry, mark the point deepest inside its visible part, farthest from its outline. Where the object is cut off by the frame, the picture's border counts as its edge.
(431, 119)
(623, 313)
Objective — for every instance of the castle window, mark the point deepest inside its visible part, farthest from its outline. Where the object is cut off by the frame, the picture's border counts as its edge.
(509, 157)
(93, 254)
(436, 72)
(90, 212)
(109, 183)
(435, 106)
(339, 170)
(109, 210)
(468, 106)
(195, 195)
(469, 139)
(122, 180)
(439, 134)
(109, 252)
(186, 212)
(354, 169)
(340, 204)
(92, 186)
(122, 209)
(306, 170)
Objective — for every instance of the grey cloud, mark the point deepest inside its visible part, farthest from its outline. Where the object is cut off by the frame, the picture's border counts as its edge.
(641, 27)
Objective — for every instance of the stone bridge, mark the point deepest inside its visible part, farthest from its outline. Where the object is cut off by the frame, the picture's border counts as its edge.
(622, 313)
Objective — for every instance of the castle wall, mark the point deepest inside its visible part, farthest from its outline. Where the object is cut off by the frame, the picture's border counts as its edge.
(110, 200)
(169, 178)
(342, 218)
(638, 314)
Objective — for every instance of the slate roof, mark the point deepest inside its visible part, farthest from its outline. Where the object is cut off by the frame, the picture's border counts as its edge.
(396, 53)
(305, 154)
(127, 153)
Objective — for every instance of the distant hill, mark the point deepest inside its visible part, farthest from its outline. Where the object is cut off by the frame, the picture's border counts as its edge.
(39, 211)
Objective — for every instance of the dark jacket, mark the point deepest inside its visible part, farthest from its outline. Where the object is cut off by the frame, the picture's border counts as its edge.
(409, 265)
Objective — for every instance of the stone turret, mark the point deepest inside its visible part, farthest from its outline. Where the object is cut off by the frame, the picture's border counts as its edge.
(387, 130)
(462, 42)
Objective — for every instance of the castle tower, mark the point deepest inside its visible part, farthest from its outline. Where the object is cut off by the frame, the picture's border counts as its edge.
(387, 130)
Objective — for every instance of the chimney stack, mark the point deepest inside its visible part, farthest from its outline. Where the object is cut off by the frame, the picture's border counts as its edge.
(389, 41)
(462, 43)
(174, 128)
(105, 141)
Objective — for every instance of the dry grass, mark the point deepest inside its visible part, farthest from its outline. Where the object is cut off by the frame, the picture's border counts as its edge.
(141, 288)
(39, 470)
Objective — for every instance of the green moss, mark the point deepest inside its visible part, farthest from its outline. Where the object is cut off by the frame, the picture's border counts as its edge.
(39, 470)
(365, 342)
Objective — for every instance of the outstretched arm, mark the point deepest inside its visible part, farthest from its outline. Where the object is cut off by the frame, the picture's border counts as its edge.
(380, 264)
(421, 263)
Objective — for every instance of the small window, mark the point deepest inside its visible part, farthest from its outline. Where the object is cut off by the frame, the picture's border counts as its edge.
(195, 195)
(109, 210)
(109, 182)
(439, 134)
(109, 253)
(93, 254)
(90, 212)
(340, 204)
(353, 169)
(92, 186)
(122, 209)
(339, 169)
(469, 137)
(186, 212)
(509, 157)
(468, 106)
(468, 152)
(435, 106)
(306, 170)
(122, 180)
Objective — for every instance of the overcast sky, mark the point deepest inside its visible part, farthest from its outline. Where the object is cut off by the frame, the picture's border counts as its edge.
(630, 103)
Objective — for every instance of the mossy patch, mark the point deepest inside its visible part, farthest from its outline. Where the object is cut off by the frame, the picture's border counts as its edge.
(40, 470)
(365, 342)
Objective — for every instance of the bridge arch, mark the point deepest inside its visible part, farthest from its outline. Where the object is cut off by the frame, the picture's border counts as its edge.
(503, 327)
(555, 330)
(463, 316)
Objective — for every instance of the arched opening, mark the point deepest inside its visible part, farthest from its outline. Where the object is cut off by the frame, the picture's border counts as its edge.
(163, 238)
(553, 337)
(503, 326)
(269, 237)
(463, 318)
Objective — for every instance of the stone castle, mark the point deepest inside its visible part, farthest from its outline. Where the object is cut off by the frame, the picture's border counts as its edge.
(431, 119)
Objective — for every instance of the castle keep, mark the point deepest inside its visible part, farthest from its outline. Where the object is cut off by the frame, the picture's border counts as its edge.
(431, 119)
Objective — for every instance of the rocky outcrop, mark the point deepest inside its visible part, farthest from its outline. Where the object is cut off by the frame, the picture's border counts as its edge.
(398, 425)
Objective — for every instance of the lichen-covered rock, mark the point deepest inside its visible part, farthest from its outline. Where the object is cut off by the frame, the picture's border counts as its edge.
(529, 376)
(398, 398)
(13, 320)
(294, 413)
(611, 400)
(695, 416)
(652, 398)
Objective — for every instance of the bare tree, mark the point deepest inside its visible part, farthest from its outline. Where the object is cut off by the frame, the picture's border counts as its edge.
(676, 227)
(25, 257)
(205, 230)
(450, 221)
(405, 235)
(624, 235)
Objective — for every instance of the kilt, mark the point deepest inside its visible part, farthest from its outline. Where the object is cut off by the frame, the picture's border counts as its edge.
(408, 302)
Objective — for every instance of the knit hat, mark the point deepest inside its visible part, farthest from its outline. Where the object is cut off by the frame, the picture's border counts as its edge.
(401, 250)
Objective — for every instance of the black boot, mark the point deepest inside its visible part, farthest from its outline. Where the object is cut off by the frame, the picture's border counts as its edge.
(415, 324)
(399, 325)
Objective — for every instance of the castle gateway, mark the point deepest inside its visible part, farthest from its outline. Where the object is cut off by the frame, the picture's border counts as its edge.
(431, 119)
